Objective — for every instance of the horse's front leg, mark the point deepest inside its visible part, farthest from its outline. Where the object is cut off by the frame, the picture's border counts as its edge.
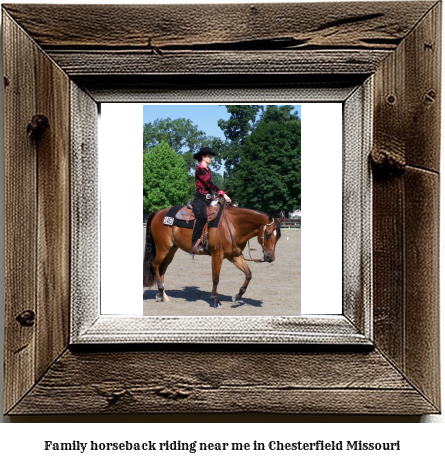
(217, 259)
(241, 264)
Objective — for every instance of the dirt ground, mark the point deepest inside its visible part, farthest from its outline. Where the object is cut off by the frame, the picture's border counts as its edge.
(274, 289)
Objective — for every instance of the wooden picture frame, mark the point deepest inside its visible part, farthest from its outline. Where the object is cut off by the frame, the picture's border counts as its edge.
(59, 68)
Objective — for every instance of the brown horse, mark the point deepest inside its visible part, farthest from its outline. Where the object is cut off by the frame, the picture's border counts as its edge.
(228, 240)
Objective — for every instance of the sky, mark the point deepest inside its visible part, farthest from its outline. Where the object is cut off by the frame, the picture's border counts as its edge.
(204, 116)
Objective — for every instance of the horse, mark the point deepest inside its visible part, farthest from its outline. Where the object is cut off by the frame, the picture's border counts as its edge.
(227, 241)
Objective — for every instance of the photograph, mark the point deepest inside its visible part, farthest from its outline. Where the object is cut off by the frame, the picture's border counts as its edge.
(222, 210)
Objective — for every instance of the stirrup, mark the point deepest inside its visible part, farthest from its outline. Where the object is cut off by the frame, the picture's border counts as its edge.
(197, 248)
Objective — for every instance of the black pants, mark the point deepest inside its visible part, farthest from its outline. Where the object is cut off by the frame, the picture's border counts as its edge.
(199, 203)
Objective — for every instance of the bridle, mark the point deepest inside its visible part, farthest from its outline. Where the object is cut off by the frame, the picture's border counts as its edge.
(259, 260)
(263, 236)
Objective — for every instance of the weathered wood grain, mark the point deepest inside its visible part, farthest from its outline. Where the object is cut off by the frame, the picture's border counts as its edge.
(53, 208)
(406, 241)
(407, 113)
(388, 268)
(274, 330)
(370, 25)
(422, 325)
(37, 215)
(20, 213)
(85, 243)
(388, 155)
(223, 382)
(423, 91)
(357, 208)
(221, 88)
(118, 62)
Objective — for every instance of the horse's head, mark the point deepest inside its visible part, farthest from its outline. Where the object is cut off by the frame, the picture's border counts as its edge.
(268, 236)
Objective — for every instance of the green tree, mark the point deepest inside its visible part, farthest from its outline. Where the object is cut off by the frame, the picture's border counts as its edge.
(236, 129)
(268, 176)
(165, 178)
(177, 133)
(184, 137)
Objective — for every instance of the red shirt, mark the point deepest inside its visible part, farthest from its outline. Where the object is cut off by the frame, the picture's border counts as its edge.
(204, 181)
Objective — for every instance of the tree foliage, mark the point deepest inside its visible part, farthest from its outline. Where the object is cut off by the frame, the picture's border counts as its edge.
(165, 178)
(268, 176)
(240, 123)
(184, 137)
(236, 129)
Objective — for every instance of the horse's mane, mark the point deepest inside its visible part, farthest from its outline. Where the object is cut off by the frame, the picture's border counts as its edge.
(277, 225)
(233, 208)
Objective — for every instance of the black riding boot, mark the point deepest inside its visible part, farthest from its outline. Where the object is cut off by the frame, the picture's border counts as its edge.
(197, 232)
(200, 209)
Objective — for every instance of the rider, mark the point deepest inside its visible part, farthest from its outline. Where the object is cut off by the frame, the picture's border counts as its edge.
(203, 195)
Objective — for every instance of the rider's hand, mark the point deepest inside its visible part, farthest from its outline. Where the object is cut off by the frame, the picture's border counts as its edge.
(227, 198)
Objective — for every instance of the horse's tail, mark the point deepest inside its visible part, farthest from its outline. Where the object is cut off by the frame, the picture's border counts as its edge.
(149, 254)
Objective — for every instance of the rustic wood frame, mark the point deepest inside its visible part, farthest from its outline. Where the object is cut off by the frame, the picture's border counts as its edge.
(97, 53)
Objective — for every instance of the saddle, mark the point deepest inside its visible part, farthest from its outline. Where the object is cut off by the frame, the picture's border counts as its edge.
(186, 213)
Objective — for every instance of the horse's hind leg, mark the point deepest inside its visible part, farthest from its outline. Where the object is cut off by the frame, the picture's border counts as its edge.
(160, 263)
(162, 269)
(241, 264)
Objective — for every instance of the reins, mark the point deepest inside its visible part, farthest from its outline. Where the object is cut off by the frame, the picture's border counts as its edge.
(230, 231)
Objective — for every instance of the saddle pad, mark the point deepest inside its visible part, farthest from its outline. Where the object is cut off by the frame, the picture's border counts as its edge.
(170, 219)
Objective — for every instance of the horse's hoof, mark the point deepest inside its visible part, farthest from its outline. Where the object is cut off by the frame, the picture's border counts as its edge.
(159, 298)
(217, 304)
(235, 298)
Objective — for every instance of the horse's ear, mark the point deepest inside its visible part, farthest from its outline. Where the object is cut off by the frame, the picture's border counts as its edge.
(280, 220)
